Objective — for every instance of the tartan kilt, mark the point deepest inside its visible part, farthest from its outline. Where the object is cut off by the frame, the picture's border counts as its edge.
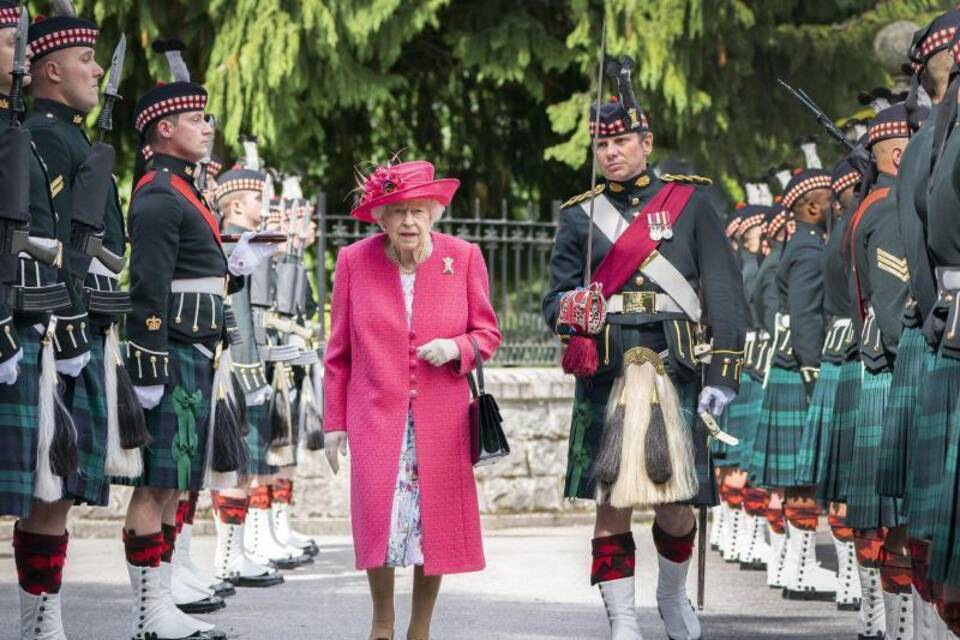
(900, 415)
(928, 447)
(740, 419)
(86, 398)
(815, 443)
(867, 509)
(586, 429)
(191, 371)
(18, 429)
(836, 472)
(945, 550)
(774, 460)
(258, 440)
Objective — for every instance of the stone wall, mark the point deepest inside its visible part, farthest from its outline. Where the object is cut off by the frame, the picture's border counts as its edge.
(536, 405)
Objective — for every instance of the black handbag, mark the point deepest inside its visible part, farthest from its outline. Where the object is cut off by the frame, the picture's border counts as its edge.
(488, 442)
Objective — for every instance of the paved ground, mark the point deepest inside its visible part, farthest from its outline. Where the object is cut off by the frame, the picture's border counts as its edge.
(535, 588)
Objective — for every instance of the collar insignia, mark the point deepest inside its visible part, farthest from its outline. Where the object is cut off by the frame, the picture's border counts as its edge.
(78, 119)
(643, 181)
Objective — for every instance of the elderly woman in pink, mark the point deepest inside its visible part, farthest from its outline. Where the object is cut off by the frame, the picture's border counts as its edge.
(409, 305)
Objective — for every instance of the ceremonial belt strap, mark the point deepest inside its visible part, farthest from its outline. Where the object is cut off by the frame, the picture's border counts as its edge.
(97, 268)
(184, 188)
(871, 198)
(212, 285)
(633, 249)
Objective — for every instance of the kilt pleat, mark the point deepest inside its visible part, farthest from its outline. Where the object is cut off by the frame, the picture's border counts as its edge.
(836, 473)
(780, 428)
(928, 446)
(814, 445)
(945, 549)
(740, 418)
(258, 440)
(86, 398)
(18, 429)
(867, 509)
(192, 372)
(900, 414)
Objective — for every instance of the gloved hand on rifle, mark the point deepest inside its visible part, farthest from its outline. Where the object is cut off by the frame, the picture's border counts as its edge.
(247, 255)
(715, 399)
(10, 370)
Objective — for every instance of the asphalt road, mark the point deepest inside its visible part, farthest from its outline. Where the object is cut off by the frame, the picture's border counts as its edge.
(536, 587)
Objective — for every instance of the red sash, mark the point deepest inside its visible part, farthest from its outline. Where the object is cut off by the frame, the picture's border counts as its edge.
(869, 200)
(635, 245)
(183, 188)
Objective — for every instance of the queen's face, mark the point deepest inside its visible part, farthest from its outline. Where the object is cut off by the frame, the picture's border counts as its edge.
(407, 224)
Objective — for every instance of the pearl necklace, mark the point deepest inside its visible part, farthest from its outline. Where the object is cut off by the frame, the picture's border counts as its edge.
(425, 252)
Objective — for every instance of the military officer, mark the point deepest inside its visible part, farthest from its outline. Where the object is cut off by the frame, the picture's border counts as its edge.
(647, 316)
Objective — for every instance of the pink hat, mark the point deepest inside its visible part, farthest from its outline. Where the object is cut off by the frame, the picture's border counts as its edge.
(404, 181)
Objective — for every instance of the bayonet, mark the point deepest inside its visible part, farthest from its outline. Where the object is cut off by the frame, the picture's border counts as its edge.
(111, 88)
(19, 66)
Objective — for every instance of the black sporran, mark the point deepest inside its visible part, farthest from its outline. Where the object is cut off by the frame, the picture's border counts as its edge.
(488, 442)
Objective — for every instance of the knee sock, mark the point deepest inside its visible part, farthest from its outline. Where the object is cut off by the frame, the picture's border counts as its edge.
(802, 515)
(230, 510)
(169, 533)
(674, 548)
(776, 520)
(143, 551)
(614, 557)
(869, 545)
(895, 573)
(919, 550)
(839, 527)
(733, 497)
(755, 501)
(39, 559)
(260, 497)
(183, 507)
(282, 491)
(192, 508)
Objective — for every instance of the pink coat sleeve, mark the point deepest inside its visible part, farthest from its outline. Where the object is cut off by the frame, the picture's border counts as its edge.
(336, 357)
(482, 320)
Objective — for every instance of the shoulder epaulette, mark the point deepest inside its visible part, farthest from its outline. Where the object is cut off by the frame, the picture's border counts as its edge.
(669, 177)
(586, 195)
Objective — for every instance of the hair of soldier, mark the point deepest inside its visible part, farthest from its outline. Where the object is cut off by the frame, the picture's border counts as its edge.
(152, 135)
(806, 198)
(436, 210)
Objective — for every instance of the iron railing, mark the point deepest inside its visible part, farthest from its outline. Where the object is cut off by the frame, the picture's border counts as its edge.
(517, 253)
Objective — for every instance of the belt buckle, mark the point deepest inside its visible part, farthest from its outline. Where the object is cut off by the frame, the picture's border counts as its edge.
(639, 302)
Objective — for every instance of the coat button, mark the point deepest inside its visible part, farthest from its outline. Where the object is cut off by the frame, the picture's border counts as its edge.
(413, 363)
(413, 350)
(413, 393)
(413, 334)
(413, 379)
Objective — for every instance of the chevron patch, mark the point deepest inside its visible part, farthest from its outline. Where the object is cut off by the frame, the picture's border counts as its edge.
(56, 186)
(897, 267)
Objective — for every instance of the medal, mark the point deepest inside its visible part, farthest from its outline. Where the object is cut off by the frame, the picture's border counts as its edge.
(660, 227)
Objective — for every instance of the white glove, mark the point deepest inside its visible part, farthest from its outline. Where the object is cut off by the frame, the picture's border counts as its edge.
(715, 399)
(149, 395)
(439, 352)
(73, 366)
(247, 256)
(258, 397)
(335, 445)
(9, 370)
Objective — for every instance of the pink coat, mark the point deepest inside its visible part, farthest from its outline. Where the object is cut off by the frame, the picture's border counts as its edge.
(372, 375)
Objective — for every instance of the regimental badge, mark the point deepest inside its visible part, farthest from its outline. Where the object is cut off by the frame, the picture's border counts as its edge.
(660, 227)
(153, 323)
(4, 104)
(634, 119)
(77, 119)
(643, 181)
(448, 265)
(188, 171)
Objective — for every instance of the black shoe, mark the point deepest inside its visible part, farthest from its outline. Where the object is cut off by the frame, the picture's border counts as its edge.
(213, 634)
(224, 589)
(207, 605)
(849, 606)
(265, 580)
(756, 565)
(285, 563)
(305, 560)
(810, 596)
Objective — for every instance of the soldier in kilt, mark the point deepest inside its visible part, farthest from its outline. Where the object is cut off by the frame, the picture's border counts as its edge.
(879, 294)
(792, 378)
(940, 409)
(644, 320)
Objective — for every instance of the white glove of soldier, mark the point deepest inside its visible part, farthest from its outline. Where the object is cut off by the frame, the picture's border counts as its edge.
(334, 446)
(149, 395)
(715, 399)
(439, 352)
(9, 370)
(247, 256)
(73, 366)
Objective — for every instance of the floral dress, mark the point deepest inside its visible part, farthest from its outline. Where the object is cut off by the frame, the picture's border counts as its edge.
(405, 547)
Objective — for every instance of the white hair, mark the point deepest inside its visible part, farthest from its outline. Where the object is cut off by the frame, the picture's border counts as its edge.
(436, 211)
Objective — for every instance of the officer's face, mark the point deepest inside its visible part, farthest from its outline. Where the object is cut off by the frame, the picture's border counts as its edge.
(8, 46)
(623, 157)
(77, 75)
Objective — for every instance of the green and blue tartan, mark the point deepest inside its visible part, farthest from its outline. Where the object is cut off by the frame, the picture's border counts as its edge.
(586, 429)
(177, 457)
(258, 440)
(815, 444)
(945, 409)
(836, 472)
(774, 460)
(740, 419)
(18, 429)
(900, 415)
(86, 398)
(867, 509)
(928, 447)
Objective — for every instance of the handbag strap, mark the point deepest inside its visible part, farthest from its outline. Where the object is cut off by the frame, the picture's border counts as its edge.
(479, 363)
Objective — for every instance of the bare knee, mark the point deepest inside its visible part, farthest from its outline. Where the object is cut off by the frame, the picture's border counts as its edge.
(674, 519)
(611, 521)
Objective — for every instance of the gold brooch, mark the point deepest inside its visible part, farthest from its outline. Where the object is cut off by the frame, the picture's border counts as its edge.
(153, 323)
(448, 265)
(77, 119)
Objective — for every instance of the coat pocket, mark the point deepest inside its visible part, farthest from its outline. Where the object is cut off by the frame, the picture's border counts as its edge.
(196, 317)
